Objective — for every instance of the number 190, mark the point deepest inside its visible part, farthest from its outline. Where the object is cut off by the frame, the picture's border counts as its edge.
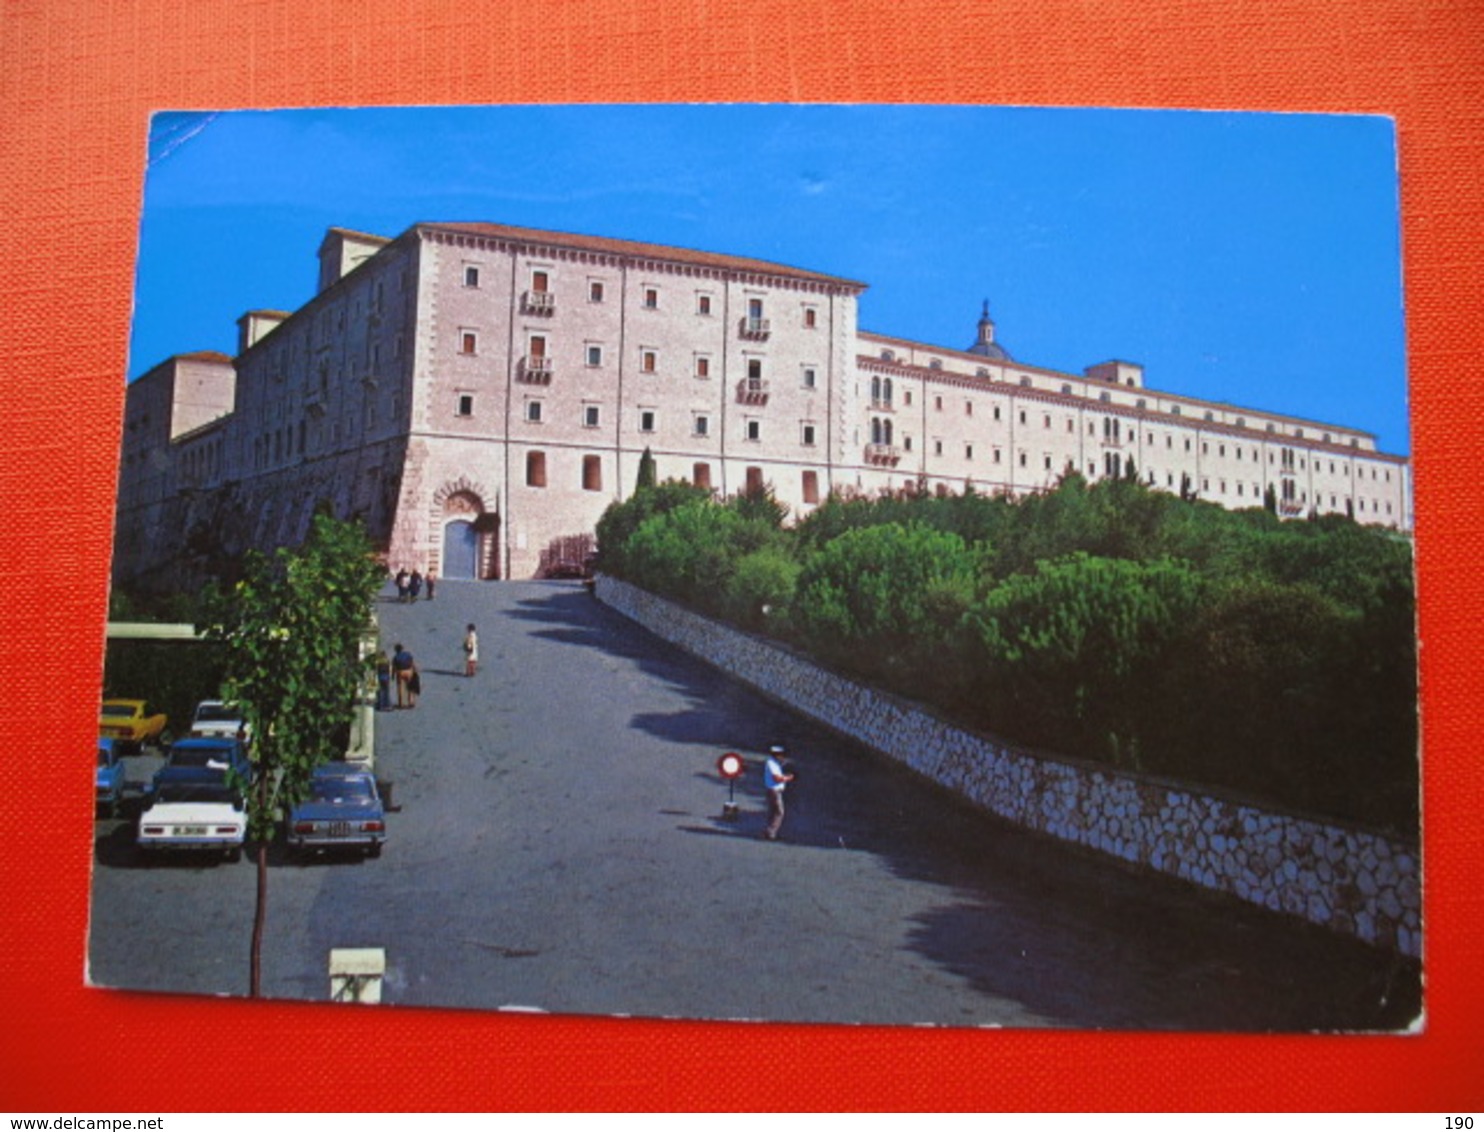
(1459, 1124)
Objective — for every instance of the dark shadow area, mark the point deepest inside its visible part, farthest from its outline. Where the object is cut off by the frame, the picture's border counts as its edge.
(1072, 935)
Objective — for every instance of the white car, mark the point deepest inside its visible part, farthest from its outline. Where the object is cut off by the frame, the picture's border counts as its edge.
(197, 814)
(215, 717)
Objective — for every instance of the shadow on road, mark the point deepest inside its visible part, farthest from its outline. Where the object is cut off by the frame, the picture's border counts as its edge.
(1072, 936)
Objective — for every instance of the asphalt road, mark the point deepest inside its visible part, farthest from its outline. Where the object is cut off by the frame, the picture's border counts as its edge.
(560, 846)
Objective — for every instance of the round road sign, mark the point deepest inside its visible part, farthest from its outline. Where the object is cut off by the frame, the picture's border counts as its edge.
(730, 765)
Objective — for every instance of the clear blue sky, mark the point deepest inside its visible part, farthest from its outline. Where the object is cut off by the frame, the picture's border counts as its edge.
(1248, 258)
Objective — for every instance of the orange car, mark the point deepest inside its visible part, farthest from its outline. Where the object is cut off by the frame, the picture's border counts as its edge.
(130, 722)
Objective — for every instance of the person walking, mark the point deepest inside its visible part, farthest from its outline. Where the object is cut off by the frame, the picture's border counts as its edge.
(404, 669)
(471, 651)
(402, 584)
(432, 580)
(775, 778)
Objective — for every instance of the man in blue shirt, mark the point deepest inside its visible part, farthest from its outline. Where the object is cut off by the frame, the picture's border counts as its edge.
(775, 778)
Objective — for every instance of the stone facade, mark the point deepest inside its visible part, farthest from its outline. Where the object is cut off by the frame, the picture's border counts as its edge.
(478, 394)
(1342, 878)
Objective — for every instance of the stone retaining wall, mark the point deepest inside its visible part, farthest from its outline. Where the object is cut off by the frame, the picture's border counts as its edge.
(1344, 878)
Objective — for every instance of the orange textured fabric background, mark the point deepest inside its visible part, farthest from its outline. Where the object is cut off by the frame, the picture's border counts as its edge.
(77, 83)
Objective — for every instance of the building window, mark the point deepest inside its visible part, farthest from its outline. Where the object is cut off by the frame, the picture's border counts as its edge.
(937, 448)
(595, 355)
(754, 480)
(594, 291)
(533, 412)
(810, 377)
(535, 469)
(466, 405)
(703, 304)
(906, 396)
(811, 320)
(968, 408)
(590, 416)
(540, 282)
(471, 276)
(651, 298)
(703, 367)
(811, 487)
(646, 420)
(754, 429)
(938, 403)
(648, 360)
(702, 425)
(968, 451)
(807, 435)
(701, 476)
(592, 473)
(468, 342)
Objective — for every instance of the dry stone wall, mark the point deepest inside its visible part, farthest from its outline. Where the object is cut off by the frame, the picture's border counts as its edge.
(1343, 878)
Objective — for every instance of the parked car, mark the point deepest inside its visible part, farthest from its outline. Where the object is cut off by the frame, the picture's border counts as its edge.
(343, 811)
(131, 722)
(216, 717)
(198, 815)
(204, 758)
(109, 778)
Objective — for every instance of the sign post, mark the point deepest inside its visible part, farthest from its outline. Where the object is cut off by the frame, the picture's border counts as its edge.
(730, 766)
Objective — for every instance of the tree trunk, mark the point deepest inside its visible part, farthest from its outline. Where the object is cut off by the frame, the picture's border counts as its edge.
(260, 911)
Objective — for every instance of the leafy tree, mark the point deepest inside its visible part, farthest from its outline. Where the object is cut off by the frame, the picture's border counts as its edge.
(688, 552)
(619, 522)
(1259, 692)
(1072, 648)
(760, 504)
(292, 629)
(883, 600)
(760, 591)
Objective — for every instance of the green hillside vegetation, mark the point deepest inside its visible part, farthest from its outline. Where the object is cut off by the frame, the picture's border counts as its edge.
(1106, 622)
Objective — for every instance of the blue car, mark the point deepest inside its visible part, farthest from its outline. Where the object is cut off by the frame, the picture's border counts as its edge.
(204, 759)
(343, 811)
(109, 779)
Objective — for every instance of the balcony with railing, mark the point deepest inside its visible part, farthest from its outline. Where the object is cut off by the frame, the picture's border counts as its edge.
(534, 369)
(756, 328)
(886, 454)
(538, 302)
(880, 405)
(752, 391)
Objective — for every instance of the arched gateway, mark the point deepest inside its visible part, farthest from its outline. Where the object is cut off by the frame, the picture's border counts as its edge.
(469, 542)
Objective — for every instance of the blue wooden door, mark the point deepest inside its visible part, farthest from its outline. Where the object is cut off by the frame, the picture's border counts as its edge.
(460, 550)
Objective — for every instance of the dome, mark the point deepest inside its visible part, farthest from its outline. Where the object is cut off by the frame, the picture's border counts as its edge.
(984, 344)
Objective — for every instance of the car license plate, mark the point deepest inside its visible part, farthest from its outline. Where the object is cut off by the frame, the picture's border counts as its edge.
(339, 829)
(190, 831)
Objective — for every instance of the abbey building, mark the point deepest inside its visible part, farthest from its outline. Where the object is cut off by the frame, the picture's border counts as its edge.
(478, 394)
